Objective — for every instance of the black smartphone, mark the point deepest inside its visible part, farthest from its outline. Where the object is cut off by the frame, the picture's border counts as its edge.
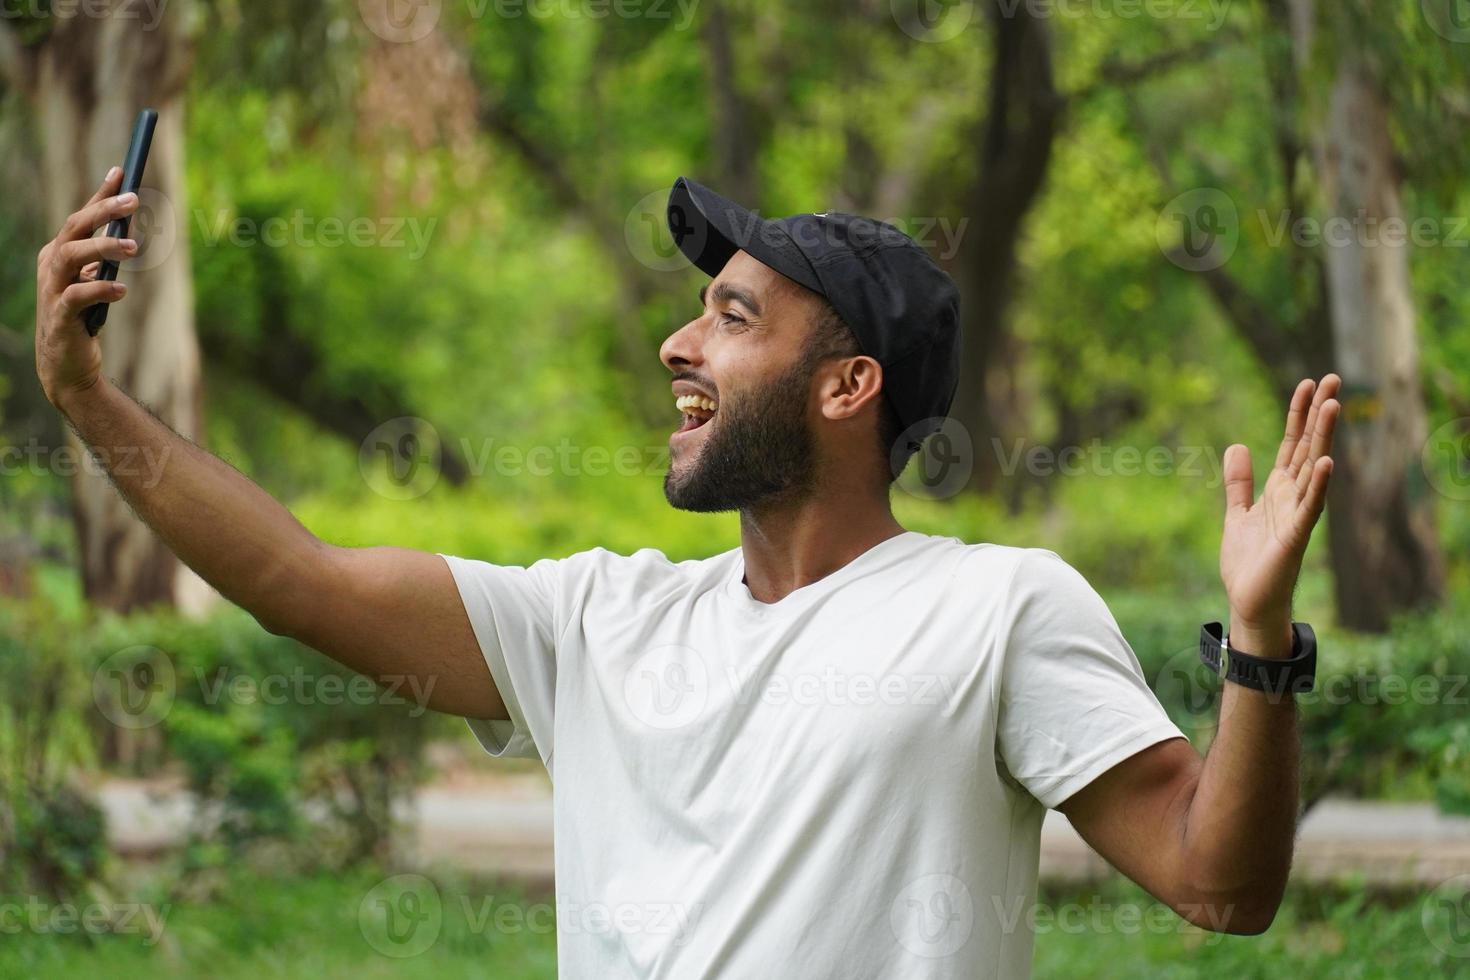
(137, 159)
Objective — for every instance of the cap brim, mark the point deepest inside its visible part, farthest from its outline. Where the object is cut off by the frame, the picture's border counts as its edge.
(709, 229)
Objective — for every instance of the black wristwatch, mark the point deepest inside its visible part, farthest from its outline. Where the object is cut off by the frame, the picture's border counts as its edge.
(1295, 674)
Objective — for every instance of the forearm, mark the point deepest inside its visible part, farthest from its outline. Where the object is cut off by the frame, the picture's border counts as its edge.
(219, 523)
(1241, 822)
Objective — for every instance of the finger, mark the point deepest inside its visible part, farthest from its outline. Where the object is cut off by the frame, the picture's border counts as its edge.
(1321, 440)
(81, 295)
(89, 271)
(1315, 497)
(110, 185)
(1304, 443)
(1240, 482)
(78, 254)
(1296, 420)
(70, 259)
(96, 214)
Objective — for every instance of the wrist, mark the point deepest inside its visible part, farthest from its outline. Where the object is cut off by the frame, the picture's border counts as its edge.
(1273, 640)
(71, 400)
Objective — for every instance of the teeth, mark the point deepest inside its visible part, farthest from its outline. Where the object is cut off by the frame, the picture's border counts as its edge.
(685, 402)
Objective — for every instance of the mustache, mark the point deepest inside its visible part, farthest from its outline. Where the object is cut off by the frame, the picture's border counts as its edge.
(698, 379)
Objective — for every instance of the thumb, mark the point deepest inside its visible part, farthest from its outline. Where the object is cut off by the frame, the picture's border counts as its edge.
(1240, 482)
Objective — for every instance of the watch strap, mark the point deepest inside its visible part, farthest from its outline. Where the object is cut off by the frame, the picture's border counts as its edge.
(1295, 674)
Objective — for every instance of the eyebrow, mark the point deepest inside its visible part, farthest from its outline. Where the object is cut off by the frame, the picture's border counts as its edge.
(724, 292)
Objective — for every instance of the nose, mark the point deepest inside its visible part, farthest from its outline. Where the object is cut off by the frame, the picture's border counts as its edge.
(681, 349)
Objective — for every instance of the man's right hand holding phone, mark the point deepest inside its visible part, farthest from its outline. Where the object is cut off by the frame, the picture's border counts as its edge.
(68, 359)
(390, 613)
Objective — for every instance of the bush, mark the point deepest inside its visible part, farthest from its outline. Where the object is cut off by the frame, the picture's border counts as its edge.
(265, 730)
(51, 832)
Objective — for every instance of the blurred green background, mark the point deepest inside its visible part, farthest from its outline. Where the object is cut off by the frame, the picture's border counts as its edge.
(405, 266)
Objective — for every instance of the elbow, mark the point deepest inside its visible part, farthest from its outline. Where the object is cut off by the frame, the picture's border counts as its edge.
(1238, 914)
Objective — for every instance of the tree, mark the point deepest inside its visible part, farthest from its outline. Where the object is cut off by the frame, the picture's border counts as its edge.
(1386, 555)
(86, 76)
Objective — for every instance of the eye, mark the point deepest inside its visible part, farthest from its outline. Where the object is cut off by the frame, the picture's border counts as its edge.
(730, 316)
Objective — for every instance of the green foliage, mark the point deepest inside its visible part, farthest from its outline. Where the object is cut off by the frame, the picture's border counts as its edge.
(51, 839)
(263, 729)
(312, 926)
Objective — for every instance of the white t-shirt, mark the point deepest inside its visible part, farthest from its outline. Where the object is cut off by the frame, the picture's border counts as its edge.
(848, 783)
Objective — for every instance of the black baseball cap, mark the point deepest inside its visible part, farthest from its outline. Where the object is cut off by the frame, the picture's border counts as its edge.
(903, 309)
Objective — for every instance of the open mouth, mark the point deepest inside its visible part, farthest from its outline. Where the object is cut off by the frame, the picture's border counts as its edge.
(697, 411)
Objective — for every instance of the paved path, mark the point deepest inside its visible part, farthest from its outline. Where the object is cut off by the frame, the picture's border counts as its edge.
(506, 828)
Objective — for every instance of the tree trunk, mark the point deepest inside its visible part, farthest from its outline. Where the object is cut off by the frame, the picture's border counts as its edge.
(87, 80)
(1020, 128)
(1385, 552)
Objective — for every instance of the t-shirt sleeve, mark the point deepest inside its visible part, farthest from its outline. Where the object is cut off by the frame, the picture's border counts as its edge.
(514, 613)
(1073, 700)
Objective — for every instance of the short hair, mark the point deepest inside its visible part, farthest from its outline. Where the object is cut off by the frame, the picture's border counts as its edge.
(832, 338)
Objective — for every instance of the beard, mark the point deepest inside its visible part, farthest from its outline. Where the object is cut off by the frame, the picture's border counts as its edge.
(759, 451)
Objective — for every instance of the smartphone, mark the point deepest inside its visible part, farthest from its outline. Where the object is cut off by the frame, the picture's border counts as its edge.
(137, 159)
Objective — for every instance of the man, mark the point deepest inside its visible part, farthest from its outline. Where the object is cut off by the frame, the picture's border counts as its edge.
(826, 753)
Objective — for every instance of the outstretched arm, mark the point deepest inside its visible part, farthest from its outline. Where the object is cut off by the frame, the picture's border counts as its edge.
(1214, 838)
(389, 613)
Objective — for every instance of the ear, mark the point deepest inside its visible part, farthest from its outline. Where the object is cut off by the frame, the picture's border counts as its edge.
(848, 386)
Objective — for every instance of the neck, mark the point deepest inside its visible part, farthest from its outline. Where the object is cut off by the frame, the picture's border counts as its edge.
(791, 544)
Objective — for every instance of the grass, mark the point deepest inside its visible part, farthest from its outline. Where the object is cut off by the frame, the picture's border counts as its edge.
(332, 926)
